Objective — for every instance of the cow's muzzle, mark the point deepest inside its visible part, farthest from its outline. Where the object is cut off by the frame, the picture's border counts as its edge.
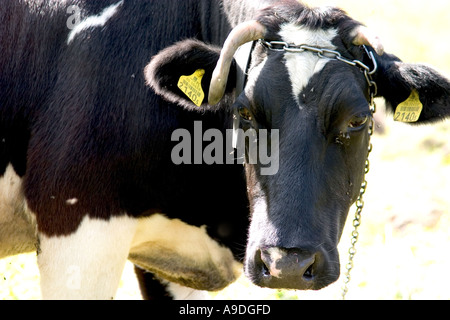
(292, 268)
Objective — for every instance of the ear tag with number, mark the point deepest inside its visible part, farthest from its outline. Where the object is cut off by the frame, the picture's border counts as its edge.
(410, 109)
(192, 86)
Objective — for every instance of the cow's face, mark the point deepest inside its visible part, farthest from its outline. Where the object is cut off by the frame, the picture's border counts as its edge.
(321, 111)
(317, 114)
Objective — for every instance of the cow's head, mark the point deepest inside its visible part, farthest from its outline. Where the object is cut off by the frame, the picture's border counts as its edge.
(320, 107)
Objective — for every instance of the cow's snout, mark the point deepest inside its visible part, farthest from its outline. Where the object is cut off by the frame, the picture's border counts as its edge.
(293, 268)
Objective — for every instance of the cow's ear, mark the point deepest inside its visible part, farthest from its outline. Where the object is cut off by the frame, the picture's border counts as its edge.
(415, 93)
(182, 74)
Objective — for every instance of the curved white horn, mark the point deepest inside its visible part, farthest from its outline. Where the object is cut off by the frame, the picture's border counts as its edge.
(242, 33)
(363, 36)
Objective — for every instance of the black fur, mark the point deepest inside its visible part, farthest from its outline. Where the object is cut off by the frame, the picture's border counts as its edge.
(397, 79)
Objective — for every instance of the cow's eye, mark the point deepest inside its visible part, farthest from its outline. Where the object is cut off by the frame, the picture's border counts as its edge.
(245, 114)
(358, 121)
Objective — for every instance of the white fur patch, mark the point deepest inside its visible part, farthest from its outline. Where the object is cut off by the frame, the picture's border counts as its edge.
(87, 264)
(179, 292)
(302, 66)
(17, 226)
(94, 21)
(11, 187)
(275, 255)
(258, 222)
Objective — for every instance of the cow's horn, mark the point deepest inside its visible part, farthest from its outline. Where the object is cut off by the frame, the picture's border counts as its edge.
(363, 36)
(242, 33)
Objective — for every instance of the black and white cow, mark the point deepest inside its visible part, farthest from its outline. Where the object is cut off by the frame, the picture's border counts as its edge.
(88, 110)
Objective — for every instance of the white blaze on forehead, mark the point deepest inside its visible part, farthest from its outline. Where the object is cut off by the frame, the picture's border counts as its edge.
(94, 21)
(302, 66)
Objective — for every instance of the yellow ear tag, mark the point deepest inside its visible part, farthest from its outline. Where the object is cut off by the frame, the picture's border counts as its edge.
(192, 86)
(410, 109)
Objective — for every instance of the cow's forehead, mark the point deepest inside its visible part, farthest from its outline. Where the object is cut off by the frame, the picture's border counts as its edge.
(303, 66)
(301, 34)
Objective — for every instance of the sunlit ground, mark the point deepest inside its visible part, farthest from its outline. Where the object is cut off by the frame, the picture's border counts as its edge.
(402, 251)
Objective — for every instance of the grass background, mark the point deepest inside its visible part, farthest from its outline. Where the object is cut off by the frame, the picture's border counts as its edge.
(402, 251)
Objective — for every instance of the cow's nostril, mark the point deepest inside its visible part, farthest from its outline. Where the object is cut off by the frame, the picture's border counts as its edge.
(264, 267)
(265, 270)
(264, 264)
(308, 275)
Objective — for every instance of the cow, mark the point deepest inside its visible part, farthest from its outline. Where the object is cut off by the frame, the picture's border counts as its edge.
(92, 94)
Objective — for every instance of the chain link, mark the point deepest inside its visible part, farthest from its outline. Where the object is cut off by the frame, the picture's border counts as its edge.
(282, 46)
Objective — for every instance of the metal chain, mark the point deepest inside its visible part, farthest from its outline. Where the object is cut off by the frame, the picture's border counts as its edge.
(359, 207)
(324, 53)
(372, 88)
(357, 220)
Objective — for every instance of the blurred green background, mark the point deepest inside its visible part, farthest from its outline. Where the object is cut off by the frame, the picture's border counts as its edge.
(403, 249)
